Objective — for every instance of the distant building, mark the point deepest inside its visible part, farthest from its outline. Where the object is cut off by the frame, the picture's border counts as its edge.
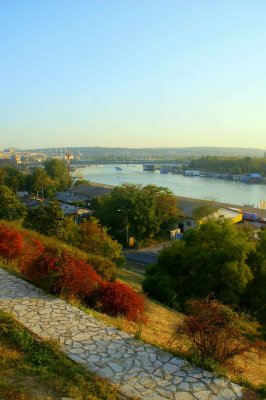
(22, 194)
(232, 212)
(82, 193)
(91, 191)
(7, 163)
(11, 150)
(216, 211)
(251, 178)
(232, 215)
(190, 172)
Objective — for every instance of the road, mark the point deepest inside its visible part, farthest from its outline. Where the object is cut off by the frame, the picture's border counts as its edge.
(144, 256)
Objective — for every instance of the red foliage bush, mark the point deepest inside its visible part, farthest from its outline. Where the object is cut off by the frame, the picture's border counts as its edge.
(58, 271)
(32, 249)
(77, 278)
(11, 243)
(42, 267)
(213, 331)
(116, 298)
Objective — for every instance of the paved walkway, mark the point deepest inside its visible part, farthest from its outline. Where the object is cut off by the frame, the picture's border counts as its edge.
(138, 369)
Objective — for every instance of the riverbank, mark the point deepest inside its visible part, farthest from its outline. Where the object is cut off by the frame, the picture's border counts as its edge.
(217, 190)
(194, 202)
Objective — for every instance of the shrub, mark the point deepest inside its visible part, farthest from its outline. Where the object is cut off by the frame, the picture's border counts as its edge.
(105, 268)
(214, 252)
(11, 242)
(58, 271)
(32, 249)
(44, 270)
(61, 269)
(116, 298)
(159, 286)
(77, 278)
(213, 331)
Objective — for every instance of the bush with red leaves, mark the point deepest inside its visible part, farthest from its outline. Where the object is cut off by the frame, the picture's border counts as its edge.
(55, 268)
(58, 271)
(77, 278)
(11, 243)
(213, 331)
(32, 249)
(116, 298)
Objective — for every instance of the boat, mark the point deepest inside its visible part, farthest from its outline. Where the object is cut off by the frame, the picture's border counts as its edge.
(164, 170)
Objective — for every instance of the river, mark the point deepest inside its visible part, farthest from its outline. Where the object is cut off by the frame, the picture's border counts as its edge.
(219, 190)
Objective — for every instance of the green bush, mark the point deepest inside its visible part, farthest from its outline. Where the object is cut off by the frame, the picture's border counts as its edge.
(158, 287)
(104, 267)
(211, 258)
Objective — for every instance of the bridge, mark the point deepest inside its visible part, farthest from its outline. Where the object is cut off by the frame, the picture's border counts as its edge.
(82, 163)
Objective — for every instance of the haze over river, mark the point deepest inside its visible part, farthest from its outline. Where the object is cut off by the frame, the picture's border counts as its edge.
(224, 191)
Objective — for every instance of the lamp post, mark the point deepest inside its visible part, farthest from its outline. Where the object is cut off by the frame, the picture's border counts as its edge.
(125, 211)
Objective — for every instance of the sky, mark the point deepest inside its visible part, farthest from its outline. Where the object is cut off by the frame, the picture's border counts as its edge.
(132, 73)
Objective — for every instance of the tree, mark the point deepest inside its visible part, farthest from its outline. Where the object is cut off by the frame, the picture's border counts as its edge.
(3, 176)
(57, 170)
(12, 178)
(94, 239)
(42, 183)
(146, 211)
(203, 211)
(232, 165)
(10, 207)
(82, 182)
(50, 220)
(255, 295)
(211, 258)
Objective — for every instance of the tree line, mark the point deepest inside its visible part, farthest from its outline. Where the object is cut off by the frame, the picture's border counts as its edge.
(231, 165)
(46, 181)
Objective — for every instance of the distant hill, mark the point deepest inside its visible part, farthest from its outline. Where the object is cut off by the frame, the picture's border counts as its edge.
(153, 153)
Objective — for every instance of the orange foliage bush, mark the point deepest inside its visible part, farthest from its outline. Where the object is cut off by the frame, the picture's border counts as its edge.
(116, 298)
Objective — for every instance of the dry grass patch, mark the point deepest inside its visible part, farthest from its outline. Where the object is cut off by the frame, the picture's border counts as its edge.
(14, 382)
(31, 369)
(249, 368)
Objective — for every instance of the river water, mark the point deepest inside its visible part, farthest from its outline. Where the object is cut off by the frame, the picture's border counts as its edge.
(195, 187)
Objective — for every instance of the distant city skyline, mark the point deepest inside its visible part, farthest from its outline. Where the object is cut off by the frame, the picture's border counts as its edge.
(152, 73)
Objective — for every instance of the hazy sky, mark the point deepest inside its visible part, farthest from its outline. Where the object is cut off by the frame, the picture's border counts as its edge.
(132, 73)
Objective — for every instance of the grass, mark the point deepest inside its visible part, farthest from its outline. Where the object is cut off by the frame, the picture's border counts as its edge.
(32, 369)
(249, 369)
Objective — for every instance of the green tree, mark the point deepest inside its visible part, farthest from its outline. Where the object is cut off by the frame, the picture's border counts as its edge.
(203, 211)
(83, 182)
(145, 211)
(50, 220)
(94, 239)
(255, 296)
(57, 170)
(13, 178)
(232, 165)
(3, 176)
(10, 207)
(42, 183)
(210, 259)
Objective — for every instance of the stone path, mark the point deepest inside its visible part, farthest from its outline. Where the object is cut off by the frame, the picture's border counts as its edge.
(138, 369)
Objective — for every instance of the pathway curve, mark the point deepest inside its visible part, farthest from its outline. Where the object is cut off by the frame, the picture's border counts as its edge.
(138, 369)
